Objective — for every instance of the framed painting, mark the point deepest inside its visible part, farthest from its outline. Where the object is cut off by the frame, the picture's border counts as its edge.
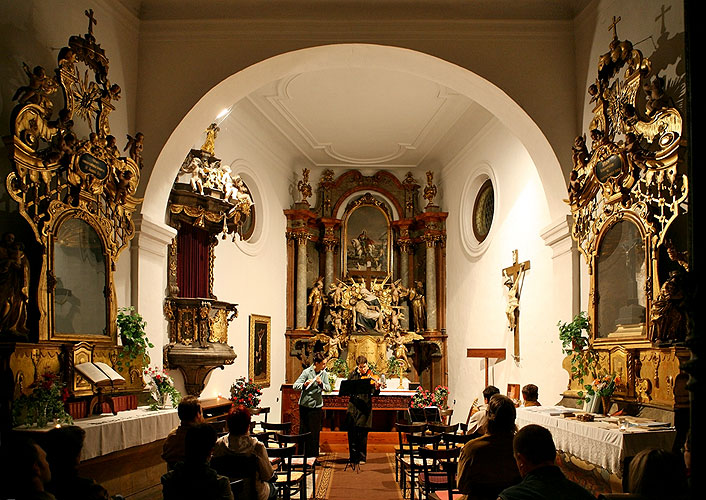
(367, 240)
(259, 357)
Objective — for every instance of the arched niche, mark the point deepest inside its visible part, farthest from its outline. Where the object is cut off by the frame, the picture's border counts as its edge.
(621, 282)
(79, 267)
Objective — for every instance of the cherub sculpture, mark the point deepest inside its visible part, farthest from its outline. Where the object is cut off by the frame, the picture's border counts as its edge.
(135, 145)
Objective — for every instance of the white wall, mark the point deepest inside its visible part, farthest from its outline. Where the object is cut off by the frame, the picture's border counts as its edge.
(477, 296)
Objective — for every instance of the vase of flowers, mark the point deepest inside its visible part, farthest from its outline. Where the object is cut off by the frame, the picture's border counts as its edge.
(246, 393)
(44, 404)
(161, 387)
(602, 388)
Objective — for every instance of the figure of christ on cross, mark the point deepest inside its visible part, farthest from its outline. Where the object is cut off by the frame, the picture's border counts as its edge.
(513, 279)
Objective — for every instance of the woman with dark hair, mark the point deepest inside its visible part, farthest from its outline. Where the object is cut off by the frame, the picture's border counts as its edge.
(239, 441)
(487, 464)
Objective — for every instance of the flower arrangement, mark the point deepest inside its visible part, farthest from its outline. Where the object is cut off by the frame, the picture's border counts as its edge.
(421, 398)
(161, 388)
(441, 395)
(438, 397)
(44, 404)
(602, 386)
(244, 392)
(394, 366)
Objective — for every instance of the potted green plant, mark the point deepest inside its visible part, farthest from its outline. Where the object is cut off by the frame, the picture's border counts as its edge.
(576, 344)
(44, 404)
(131, 328)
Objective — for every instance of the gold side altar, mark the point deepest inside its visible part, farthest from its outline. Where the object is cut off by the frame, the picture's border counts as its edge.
(627, 196)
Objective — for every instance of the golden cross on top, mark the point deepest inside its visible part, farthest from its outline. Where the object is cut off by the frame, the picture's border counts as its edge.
(91, 20)
(614, 26)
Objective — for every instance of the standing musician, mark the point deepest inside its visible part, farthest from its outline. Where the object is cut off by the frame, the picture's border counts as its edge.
(313, 382)
(359, 416)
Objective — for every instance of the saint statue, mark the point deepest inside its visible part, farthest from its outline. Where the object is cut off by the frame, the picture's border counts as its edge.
(419, 305)
(209, 144)
(14, 287)
(316, 301)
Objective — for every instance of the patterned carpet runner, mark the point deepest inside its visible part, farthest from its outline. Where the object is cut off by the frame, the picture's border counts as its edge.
(374, 481)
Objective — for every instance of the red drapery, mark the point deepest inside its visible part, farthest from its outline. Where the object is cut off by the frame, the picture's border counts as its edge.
(192, 262)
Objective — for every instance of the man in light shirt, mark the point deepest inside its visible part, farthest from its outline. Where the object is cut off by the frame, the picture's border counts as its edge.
(477, 423)
(313, 382)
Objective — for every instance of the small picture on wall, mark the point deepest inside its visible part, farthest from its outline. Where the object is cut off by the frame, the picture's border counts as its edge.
(259, 358)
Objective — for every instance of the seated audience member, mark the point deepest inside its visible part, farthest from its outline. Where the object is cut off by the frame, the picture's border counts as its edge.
(63, 445)
(486, 465)
(541, 478)
(25, 471)
(193, 478)
(530, 395)
(238, 440)
(657, 474)
(189, 411)
(476, 425)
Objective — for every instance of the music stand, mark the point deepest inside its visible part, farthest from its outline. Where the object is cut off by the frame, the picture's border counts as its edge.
(355, 388)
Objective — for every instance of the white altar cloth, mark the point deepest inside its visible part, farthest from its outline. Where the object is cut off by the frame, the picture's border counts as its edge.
(108, 433)
(600, 442)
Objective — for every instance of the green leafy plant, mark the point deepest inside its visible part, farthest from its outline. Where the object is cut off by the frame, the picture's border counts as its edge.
(131, 327)
(394, 366)
(602, 386)
(161, 385)
(244, 392)
(339, 368)
(576, 344)
(44, 404)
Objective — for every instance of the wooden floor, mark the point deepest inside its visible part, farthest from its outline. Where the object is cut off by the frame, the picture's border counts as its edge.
(378, 442)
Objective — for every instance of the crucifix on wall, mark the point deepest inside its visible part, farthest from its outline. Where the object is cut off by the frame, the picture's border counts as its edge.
(513, 279)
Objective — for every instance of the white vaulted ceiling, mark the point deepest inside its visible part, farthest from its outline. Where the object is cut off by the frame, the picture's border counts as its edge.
(361, 117)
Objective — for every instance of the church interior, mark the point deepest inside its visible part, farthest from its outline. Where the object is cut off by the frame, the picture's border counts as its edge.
(206, 198)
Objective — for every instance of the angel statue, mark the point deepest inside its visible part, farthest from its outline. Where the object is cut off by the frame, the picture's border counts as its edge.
(304, 187)
(135, 145)
(396, 342)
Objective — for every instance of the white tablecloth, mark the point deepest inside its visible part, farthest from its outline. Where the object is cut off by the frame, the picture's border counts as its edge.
(601, 442)
(108, 433)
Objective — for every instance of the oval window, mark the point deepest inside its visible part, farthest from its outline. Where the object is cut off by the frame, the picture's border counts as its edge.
(483, 211)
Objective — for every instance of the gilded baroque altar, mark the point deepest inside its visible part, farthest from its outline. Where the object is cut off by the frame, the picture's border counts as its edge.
(627, 193)
(366, 275)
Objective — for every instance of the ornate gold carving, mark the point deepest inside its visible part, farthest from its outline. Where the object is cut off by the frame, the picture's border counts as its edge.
(430, 190)
(304, 187)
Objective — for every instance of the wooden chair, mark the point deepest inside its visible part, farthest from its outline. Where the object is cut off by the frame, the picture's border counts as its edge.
(240, 468)
(450, 440)
(280, 428)
(288, 481)
(219, 426)
(416, 416)
(260, 412)
(432, 414)
(301, 461)
(437, 428)
(411, 464)
(403, 429)
(438, 471)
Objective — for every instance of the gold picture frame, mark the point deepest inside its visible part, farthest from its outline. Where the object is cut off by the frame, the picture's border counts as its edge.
(260, 348)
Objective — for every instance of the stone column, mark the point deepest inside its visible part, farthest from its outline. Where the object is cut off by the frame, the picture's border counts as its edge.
(301, 281)
(404, 264)
(430, 291)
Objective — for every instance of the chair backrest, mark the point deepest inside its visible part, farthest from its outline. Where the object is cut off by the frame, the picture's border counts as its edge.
(455, 440)
(437, 428)
(265, 437)
(297, 439)
(264, 411)
(219, 426)
(282, 428)
(432, 414)
(239, 466)
(439, 468)
(285, 454)
(416, 415)
(403, 429)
